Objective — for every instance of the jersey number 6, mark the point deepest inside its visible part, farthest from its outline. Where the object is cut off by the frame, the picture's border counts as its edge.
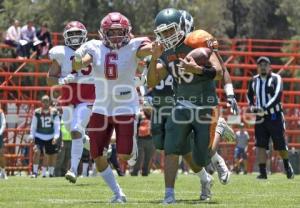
(111, 67)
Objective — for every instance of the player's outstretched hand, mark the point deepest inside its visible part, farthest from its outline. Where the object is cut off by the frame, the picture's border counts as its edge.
(157, 49)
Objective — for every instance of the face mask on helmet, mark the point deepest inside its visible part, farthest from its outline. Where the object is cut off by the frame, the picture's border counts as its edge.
(169, 28)
(115, 30)
(75, 38)
(75, 34)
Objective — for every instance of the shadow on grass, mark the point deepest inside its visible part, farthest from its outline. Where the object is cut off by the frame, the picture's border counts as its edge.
(179, 201)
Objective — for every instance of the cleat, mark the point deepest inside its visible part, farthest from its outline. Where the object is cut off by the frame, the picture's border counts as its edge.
(206, 189)
(70, 176)
(119, 199)
(34, 175)
(225, 131)
(223, 172)
(169, 200)
(290, 172)
(261, 177)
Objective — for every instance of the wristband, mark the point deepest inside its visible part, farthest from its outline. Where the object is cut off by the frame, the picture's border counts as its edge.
(228, 88)
(210, 72)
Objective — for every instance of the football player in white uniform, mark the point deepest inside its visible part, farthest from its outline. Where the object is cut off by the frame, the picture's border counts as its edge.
(78, 91)
(114, 61)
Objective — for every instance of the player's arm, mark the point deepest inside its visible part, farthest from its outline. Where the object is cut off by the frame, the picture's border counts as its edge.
(33, 128)
(144, 50)
(53, 77)
(214, 71)
(228, 87)
(53, 73)
(216, 67)
(81, 62)
(156, 71)
(250, 94)
(83, 56)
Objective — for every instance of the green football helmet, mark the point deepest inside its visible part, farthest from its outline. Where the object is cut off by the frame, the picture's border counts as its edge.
(169, 27)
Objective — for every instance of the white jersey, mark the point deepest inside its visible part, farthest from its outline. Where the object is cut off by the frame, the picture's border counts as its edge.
(80, 90)
(64, 55)
(114, 72)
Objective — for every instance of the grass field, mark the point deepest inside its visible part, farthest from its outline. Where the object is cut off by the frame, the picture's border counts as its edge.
(242, 191)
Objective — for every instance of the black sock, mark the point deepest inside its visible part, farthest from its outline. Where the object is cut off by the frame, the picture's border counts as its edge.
(262, 169)
(286, 164)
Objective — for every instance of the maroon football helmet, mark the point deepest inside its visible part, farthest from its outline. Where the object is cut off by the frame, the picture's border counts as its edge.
(75, 34)
(115, 30)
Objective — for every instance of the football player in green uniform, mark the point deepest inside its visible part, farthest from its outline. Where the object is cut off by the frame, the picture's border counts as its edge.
(195, 98)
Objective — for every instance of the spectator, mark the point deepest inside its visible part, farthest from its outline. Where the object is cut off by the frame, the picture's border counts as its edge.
(45, 132)
(64, 155)
(28, 38)
(43, 35)
(2, 160)
(264, 97)
(13, 36)
(144, 143)
(240, 151)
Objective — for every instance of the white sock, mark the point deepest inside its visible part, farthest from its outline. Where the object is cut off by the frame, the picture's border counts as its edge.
(44, 171)
(215, 158)
(85, 169)
(35, 168)
(76, 153)
(51, 170)
(203, 175)
(110, 180)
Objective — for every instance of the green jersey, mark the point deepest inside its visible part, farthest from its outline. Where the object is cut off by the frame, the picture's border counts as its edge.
(45, 121)
(195, 88)
(162, 94)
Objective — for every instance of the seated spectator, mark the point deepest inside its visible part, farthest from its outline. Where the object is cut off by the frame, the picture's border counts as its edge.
(28, 38)
(43, 35)
(13, 35)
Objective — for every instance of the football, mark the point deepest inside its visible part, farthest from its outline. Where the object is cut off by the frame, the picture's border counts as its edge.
(201, 56)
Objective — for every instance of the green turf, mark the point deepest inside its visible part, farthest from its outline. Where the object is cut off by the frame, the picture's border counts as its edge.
(242, 191)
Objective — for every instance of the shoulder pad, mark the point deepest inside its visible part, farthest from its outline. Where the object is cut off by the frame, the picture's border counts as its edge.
(199, 39)
(38, 111)
(57, 52)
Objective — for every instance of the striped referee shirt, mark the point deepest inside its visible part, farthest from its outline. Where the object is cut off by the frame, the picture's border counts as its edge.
(266, 93)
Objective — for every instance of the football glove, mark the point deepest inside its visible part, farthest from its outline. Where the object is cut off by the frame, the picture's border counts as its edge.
(66, 80)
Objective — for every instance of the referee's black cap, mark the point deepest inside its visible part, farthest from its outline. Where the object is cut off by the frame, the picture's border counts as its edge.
(263, 58)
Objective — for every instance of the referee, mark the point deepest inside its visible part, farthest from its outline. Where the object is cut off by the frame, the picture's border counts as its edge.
(264, 95)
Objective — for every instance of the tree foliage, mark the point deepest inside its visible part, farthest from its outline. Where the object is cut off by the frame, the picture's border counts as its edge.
(275, 19)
